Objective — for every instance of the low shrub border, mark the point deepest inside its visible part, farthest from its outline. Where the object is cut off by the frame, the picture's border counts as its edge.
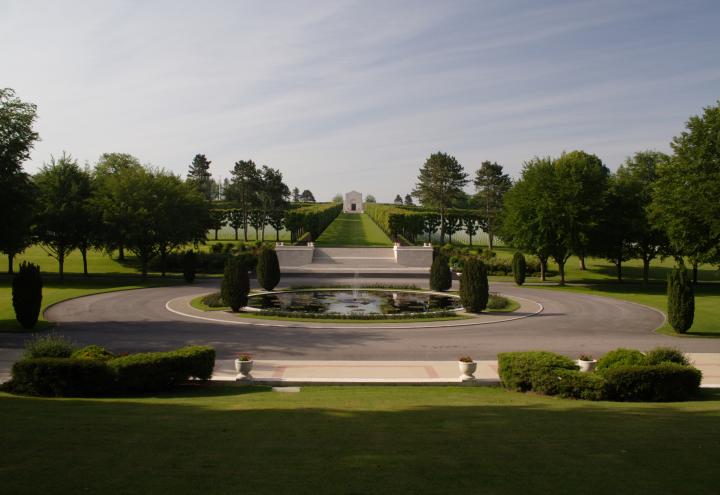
(88, 376)
(627, 375)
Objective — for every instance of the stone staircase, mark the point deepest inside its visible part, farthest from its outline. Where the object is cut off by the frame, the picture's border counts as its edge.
(368, 258)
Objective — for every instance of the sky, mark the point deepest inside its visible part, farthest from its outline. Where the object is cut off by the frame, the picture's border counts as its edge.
(342, 95)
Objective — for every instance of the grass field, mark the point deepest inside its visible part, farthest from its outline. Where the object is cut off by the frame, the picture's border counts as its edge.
(353, 229)
(357, 440)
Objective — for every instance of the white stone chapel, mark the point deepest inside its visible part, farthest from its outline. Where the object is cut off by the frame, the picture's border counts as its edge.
(353, 202)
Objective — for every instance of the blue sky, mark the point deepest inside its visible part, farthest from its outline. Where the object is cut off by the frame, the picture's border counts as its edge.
(355, 95)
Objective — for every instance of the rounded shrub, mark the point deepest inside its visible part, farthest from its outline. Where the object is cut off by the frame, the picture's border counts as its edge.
(661, 355)
(681, 300)
(519, 266)
(27, 295)
(474, 287)
(61, 377)
(235, 285)
(268, 269)
(189, 266)
(621, 357)
(50, 346)
(440, 276)
(658, 383)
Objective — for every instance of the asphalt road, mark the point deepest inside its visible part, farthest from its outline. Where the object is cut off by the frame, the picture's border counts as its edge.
(570, 323)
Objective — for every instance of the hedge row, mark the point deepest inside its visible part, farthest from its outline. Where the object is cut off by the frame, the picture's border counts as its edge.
(80, 376)
(311, 219)
(662, 376)
(212, 262)
(410, 223)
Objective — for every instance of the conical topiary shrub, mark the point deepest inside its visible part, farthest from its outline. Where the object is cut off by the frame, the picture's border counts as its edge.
(474, 287)
(27, 295)
(235, 285)
(519, 267)
(189, 266)
(268, 269)
(681, 300)
(440, 276)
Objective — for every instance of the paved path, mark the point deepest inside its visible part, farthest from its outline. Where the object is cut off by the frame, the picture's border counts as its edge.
(570, 324)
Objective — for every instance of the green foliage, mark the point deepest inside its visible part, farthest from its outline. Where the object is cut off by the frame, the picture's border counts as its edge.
(214, 300)
(153, 371)
(95, 352)
(199, 176)
(51, 345)
(27, 295)
(268, 269)
(568, 384)
(681, 300)
(517, 368)
(519, 267)
(311, 219)
(235, 285)
(621, 357)
(189, 262)
(440, 275)
(491, 184)
(666, 355)
(652, 383)
(474, 286)
(61, 377)
(496, 301)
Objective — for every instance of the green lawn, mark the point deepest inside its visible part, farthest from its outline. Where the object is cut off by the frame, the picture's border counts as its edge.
(55, 291)
(353, 229)
(357, 440)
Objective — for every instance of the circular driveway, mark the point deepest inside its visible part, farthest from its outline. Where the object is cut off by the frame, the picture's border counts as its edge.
(570, 323)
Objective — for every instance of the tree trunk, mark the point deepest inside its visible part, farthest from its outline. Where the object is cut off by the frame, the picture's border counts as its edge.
(442, 227)
(277, 235)
(491, 238)
(618, 267)
(121, 252)
(236, 234)
(61, 264)
(163, 259)
(11, 256)
(561, 269)
(695, 272)
(543, 269)
(216, 234)
(83, 251)
(144, 266)
(582, 262)
(646, 270)
(470, 236)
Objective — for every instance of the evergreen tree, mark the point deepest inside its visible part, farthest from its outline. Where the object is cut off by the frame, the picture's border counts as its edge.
(681, 300)
(491, 184)
(398, 200)
(307, 196)
(440, 275)
(408, 200)
(199, 176)
(27, 295)
(189, 266)
(519, 267)
(295, 195)
(474, 287)
(440, 184)
(235, 285)
(268, 269)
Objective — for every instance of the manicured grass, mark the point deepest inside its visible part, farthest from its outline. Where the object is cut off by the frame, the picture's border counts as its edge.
(357, 440)
(353, 229)
(55, 291)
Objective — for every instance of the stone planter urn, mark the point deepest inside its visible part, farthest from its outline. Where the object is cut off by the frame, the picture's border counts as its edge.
(243, 369)
(586, 365)
(466, 370)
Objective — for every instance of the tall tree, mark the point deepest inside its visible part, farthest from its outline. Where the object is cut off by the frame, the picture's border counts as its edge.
(17, 201)
(108, 178)
(440, 183)
(491, 185)
(307, 196)
(295, 195)
(200, 177)
(370, 199)
(398, 200)
(635, 179)
(244, 189)
(337, 198)
(408, 200)
(63, 193)
(273, 193)
(685, 197)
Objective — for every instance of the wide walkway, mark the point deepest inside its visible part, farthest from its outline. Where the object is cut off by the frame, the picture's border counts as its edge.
(353, 229)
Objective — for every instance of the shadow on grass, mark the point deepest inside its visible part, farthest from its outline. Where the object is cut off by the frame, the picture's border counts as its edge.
(392, 440)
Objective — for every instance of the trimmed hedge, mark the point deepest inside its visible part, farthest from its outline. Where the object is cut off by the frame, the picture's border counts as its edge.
(27, 294)
(235, 285)
(87, 376)
(440, 275)
(189, 265)
(655, 383)
(95, 352)
(516, 369)
(680, 300)
(268, 269)
(621, 357)
(569, 384)
(61, 377)
(474, 286)
(311, 219)
(519, 267)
